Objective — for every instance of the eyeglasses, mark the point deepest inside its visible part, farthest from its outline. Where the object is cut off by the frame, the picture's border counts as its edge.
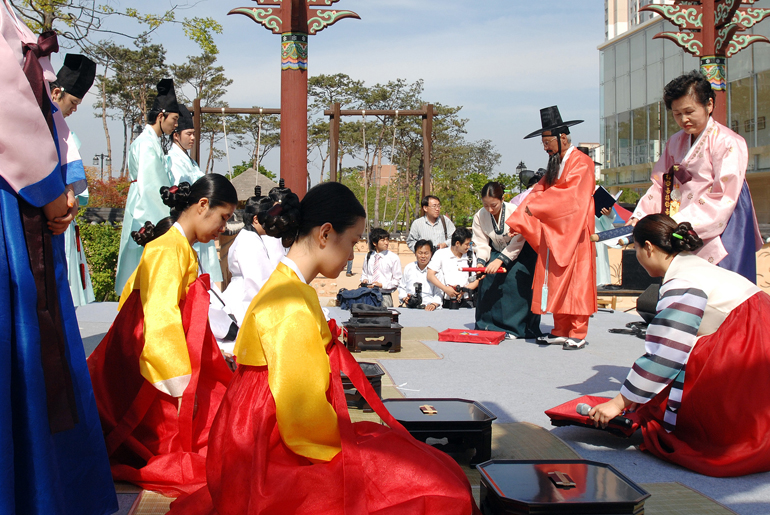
(547, 140)
(435, 206)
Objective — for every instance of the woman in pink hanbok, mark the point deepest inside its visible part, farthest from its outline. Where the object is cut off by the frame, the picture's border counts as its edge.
(701, 179)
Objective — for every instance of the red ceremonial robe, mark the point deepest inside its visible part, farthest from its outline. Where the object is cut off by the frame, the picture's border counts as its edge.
(562, 220)
(149, 442)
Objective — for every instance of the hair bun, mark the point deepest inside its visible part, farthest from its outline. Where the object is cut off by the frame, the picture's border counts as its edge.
(176, 197)
(282, 219)
(144, 235)
(685, 238)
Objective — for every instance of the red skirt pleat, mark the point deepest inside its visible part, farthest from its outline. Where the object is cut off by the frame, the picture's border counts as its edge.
(151, 443)
(723, 423)
(380, 471)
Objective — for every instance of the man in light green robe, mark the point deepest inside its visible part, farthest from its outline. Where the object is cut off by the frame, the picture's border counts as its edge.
(149, 170)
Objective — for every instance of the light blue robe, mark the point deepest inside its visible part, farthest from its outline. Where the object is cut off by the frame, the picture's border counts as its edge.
(148, 169)
(75, 254)
(184, 169)
(603, 274)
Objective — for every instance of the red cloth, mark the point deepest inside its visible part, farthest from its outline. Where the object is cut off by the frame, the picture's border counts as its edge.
(472, 336)
(380, 470)
(572, 326)
(149, 443)
(723, 423)
(562, 220)
(566, 415)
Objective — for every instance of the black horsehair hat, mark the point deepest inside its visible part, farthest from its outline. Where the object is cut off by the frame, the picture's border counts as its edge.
(185, 119)
(166, 99)
(76, 75)
(550, 119)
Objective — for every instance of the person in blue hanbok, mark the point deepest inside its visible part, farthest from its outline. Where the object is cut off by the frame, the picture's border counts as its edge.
(53, 459)
(184, 169)
(604, 223)
(73, 81)
(149, 170)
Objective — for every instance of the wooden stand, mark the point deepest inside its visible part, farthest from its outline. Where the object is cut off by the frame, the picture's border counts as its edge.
(373, 373)
(455, 425)
(383, 338)
(579, 487)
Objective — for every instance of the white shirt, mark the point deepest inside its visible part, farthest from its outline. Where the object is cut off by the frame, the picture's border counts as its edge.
(390, 269)
(252, 258)
(564, 160)
(412, 274)
(447, 267)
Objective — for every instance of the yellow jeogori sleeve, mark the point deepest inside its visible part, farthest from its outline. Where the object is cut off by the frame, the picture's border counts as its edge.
(163, 276)
(283, 331)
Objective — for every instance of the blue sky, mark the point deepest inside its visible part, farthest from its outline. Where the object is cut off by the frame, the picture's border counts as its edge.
(502, 60)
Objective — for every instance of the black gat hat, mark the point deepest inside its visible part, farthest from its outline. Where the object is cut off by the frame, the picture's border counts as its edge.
(76, 75)
(550, 119)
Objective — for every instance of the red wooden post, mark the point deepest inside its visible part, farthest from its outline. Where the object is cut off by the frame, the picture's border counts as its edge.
(294, 20)
(709, 29)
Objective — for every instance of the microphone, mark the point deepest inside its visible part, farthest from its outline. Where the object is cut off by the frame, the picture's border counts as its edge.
(584, 408)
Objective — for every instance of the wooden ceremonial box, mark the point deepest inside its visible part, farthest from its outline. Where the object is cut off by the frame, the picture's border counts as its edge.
(453, 425)
(545, 487)
(374, 374)
(374, 328)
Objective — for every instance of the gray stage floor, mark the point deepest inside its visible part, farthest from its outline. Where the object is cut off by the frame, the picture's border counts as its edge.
(519, 379)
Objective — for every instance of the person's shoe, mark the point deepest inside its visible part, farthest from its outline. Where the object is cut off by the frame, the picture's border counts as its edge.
(349, 274)
(574, 344)
(549, 339)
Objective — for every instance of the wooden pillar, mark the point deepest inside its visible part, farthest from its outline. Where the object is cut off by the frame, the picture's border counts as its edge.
(427, 143)
(294, 111)
(196, 149)
(334, 141)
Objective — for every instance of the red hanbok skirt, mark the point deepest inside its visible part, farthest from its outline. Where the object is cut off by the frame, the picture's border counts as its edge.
(151, 443)
(723, 424)
(380, 470)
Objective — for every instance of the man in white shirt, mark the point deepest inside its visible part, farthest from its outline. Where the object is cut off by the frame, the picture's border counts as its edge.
(417, 273)
(444, 268)
(433, 227)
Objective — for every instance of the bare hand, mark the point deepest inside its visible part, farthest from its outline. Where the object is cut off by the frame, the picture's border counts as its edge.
(494, 266)
(61, 220)
(632, 222)
(442, 245)
(603, 413)
(430, 307)
(378, 285)
(606, 211)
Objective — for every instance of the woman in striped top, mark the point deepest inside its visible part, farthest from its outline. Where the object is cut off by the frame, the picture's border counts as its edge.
(711, 322)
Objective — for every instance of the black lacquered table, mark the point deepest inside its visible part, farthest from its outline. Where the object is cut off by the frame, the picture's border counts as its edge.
(518, 487)
(457, 425)
(373, 373)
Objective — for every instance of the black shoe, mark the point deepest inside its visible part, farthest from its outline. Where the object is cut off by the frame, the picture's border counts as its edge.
(574, 344)
(549, 339)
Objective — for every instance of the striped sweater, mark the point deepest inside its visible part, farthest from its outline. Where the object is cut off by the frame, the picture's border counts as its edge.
(670, 339)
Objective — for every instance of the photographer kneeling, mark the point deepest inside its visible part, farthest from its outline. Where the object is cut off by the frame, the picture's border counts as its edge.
(414, 290)
(444, 271)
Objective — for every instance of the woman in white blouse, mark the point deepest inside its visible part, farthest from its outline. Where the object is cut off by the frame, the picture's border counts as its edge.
(505, 299)
(253, 255)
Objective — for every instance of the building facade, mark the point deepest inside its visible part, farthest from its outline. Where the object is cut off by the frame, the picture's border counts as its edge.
(635, 123)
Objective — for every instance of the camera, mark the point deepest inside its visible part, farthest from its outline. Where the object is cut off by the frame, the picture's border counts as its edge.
(415, 300)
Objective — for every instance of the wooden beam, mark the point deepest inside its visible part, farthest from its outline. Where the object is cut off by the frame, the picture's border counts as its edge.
(334, 143)
(379, 112)
(235, 110)
(427, 146)
(196, 150)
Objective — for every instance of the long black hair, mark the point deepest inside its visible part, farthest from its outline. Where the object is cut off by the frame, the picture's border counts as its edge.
(669, 236)
(329, 202)
(214, 187)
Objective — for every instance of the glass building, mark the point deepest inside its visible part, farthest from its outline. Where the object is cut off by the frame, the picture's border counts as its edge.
(635, 123)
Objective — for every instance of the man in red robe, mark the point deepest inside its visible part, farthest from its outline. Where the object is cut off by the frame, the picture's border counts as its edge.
(557, 219)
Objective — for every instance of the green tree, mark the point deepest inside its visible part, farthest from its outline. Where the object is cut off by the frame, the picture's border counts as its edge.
(209, 83)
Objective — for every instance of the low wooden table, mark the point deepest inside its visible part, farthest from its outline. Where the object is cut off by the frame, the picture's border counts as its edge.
(578, 487)
(381, 338)
(373, 373)
(458, 424)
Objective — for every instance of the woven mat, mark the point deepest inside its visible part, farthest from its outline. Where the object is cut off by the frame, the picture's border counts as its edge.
(678, 499)
(519, 441)
(410, 349)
